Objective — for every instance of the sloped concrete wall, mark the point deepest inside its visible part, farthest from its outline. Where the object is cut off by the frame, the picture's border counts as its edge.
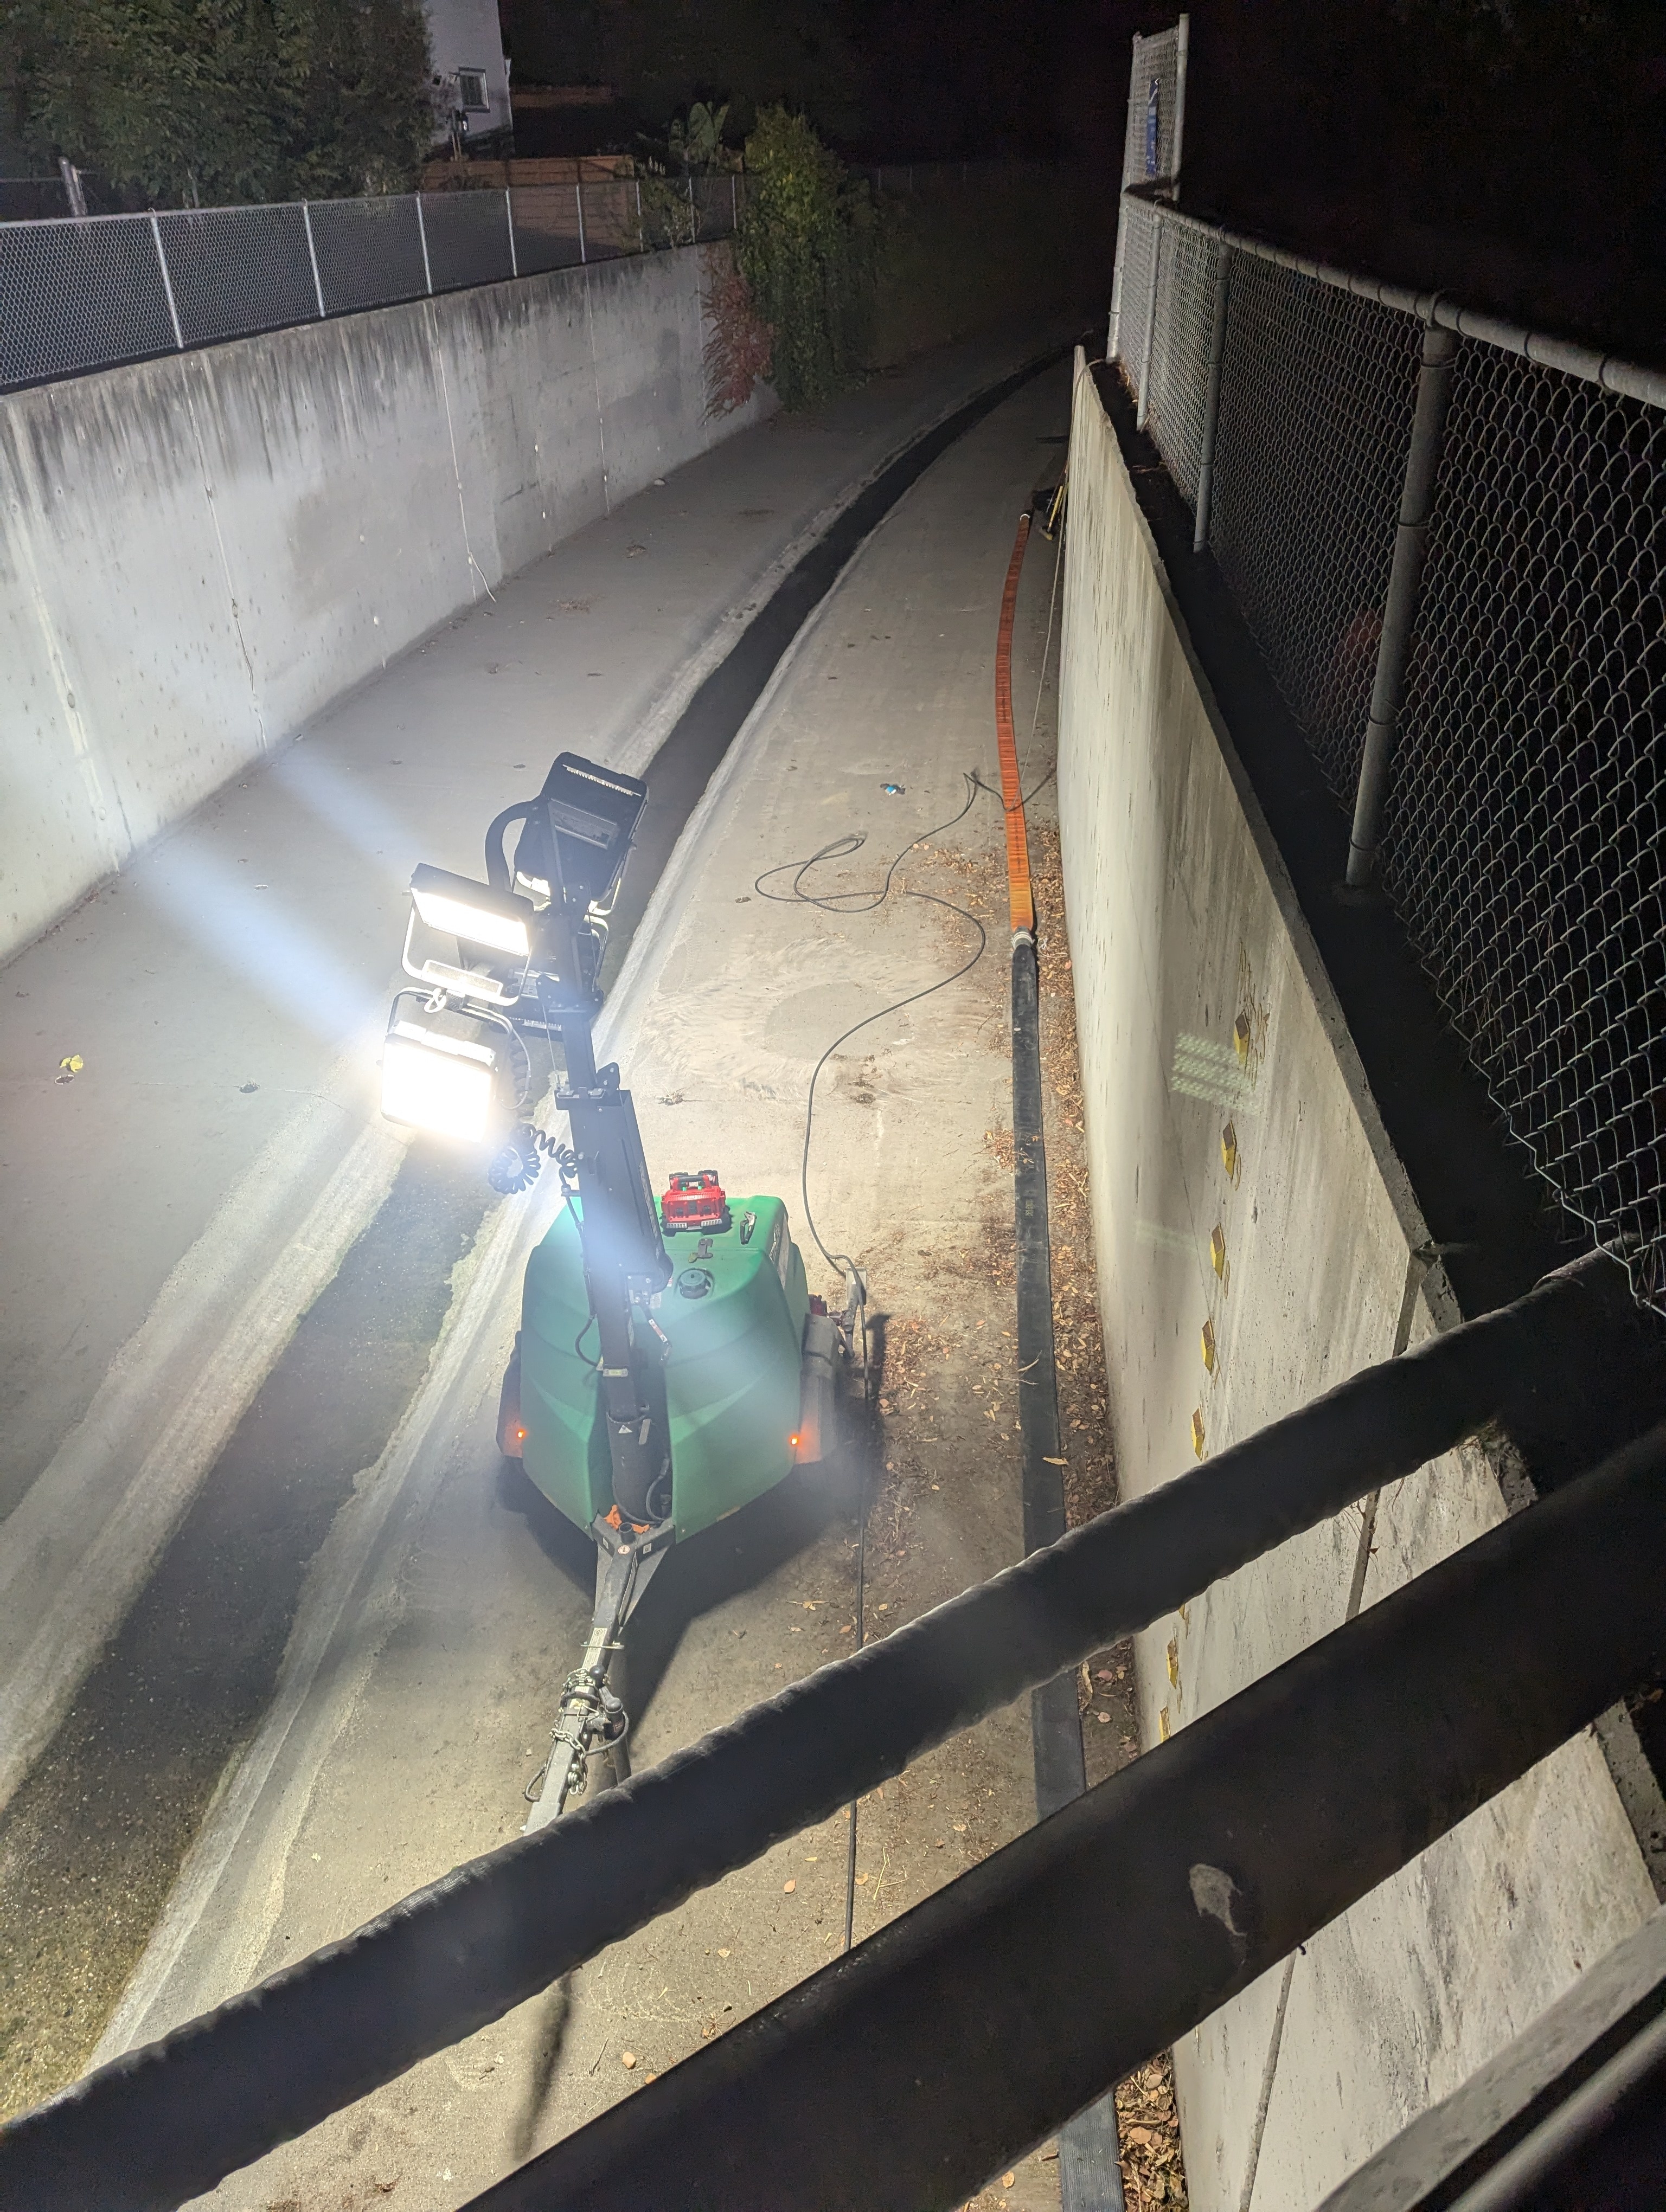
(199, 554)
(1224, 1098)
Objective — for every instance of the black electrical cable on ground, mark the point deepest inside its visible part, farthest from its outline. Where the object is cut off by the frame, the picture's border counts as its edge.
(865, 901)
(841, 849)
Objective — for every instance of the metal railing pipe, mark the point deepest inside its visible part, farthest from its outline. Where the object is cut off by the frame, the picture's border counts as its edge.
(1143, 405)
(169, 2122)
(1610, 371)
(1205, 464)
(1411, 542)
(1603, 2145)
(975, 2026)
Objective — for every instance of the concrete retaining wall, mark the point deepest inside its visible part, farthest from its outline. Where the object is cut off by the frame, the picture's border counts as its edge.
(1203, 1010)
(199, 554)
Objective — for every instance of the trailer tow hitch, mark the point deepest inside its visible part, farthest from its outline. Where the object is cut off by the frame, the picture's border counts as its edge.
(591, 1718)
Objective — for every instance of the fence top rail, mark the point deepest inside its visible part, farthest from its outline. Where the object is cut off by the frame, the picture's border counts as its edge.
(83, 221)
(1607, 371)
(721, 180)
(9, 224)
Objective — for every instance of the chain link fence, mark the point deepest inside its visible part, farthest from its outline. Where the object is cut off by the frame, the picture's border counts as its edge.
(1306, 494)
(1176, 313)
(1498, 636)
(87, 293)
(92, 292)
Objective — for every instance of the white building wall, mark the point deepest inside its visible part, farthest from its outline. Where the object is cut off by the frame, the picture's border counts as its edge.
(466, 35)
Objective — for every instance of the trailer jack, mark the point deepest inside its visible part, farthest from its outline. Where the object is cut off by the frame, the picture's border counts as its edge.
(591, 1718)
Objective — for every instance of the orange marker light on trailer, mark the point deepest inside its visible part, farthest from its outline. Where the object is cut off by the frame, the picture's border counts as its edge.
(794, 1441)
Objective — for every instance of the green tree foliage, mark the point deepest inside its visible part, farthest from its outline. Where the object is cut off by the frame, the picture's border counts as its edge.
(695, 141)
(806, 247)
(168, 101)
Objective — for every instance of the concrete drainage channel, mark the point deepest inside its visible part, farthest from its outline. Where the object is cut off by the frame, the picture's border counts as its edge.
(91, 1842)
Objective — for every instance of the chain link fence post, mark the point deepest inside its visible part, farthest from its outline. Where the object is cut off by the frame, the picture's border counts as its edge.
(578, 194)
(1144, 408)
(1205, 466)
(74, 194)
(509, 217)
(1182, 47)
(422, 232)
(311, 255)
(1411, 539)
(168, 282)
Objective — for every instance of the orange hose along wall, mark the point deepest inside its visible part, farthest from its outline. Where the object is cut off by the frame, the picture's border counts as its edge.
(1020, 898)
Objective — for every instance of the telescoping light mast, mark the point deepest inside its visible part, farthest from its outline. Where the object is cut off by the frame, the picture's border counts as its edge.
(708, 1383)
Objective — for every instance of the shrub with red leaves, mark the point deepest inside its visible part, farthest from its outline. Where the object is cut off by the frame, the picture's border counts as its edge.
(738, 345)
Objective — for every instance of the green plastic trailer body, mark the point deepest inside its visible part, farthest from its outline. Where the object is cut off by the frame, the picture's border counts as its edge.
(734, 1322)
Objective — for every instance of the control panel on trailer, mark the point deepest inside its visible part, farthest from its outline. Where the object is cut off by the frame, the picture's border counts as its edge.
(694, 1201)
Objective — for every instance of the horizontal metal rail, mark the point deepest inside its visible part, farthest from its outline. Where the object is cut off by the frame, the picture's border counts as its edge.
(1605, 2144)
(170, 2121)
(1607, 370)
(974, 2026)
(1533, 2093)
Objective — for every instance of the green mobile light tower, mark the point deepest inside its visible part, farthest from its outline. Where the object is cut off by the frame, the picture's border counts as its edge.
(671, 1365)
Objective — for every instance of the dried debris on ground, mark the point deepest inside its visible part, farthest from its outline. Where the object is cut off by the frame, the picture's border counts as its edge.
(1149, 2124)
(1090, 1481)
(1148, 2120)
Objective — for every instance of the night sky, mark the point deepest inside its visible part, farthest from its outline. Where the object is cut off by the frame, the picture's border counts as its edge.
(1511, 149)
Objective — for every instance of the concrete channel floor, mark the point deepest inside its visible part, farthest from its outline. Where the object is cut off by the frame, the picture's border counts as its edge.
(171, 1208)
(165, 1224)
(447, 1602)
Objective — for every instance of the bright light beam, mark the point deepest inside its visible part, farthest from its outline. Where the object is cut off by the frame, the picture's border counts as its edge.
(258, 941)
(345, 806)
